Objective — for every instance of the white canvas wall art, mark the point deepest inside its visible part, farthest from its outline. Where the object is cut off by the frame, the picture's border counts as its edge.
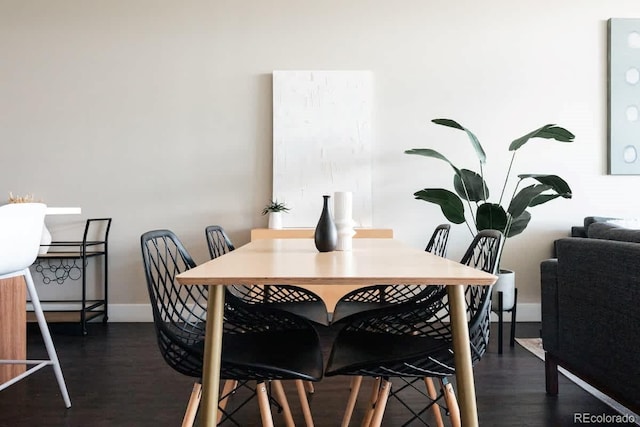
(322, 141)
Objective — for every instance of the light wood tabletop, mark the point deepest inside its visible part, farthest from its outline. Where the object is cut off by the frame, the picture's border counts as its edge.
(372, 261)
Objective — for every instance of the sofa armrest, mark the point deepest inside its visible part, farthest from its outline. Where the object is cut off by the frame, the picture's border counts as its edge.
(549, 290)
(578, 231)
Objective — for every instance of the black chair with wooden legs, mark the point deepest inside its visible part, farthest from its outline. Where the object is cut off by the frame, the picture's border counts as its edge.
(293, 299)
(413, 342)
(380, 296)
(259, 343)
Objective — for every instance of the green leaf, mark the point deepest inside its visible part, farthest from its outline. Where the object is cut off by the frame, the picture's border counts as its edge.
(476, 187)
(451, 205)
(543, 198)
(474, 140)
(519, 224)
(558, 184)
(523, 199)
(549, 131)
(428, 152)
(491, 216)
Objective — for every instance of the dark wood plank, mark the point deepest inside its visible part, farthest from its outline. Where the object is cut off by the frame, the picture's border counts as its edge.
(116, 377)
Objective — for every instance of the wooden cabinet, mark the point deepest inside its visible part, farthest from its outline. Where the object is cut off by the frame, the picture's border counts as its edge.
(13, 327)
(329, 294)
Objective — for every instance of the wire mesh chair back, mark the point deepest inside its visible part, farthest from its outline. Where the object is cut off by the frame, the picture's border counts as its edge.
(427, 318)
(393, 294)
(439, 240)
(218, 241)
(179, 312)
(483, 254)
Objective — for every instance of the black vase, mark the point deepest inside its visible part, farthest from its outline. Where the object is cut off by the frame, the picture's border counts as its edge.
(326, 235)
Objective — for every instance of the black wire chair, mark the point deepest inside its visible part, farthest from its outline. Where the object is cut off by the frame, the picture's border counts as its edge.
(259, 343)
(378, 296)
(413, 341)
(293, 299)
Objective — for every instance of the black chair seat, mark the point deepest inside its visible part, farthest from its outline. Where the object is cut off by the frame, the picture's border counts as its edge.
(280, 355)
(389, 355)
(314, 311)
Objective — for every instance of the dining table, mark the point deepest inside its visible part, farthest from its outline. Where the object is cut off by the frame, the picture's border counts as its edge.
(297, 262)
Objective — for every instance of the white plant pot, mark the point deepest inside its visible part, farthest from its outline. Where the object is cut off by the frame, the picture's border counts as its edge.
(275, 220)
(506, 284)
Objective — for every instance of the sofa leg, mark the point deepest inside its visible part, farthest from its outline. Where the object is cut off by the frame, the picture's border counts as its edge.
(551, 373)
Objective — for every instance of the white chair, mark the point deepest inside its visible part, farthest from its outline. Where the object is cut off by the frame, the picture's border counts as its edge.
(20, 233)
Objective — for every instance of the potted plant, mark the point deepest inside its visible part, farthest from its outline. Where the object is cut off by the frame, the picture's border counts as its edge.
(275, 209)
(471, 203)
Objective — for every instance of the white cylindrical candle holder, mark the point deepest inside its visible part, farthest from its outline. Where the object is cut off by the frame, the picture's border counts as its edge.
(342, 213)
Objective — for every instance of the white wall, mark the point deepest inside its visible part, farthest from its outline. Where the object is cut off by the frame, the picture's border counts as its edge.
(158, 113)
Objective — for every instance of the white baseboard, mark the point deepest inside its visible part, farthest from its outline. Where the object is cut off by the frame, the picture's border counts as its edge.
(526, 312)
(130, 313)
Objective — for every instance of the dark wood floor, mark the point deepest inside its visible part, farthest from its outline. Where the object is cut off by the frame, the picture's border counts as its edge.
(116, 377)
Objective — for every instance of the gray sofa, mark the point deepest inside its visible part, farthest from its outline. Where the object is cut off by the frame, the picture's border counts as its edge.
(591, 310)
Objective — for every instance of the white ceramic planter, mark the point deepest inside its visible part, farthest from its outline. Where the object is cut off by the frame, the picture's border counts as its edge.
(506, 284)
(275, 220)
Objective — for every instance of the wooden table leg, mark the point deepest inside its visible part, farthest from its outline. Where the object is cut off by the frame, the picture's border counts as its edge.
(462, 356)
(212, 356)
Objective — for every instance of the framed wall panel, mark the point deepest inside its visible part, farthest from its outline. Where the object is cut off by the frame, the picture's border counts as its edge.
(322, 141)
(624, 96)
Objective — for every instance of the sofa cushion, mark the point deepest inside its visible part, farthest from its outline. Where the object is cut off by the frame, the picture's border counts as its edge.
(608, 231)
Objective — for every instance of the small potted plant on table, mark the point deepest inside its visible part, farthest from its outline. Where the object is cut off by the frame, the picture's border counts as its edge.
(275, 209)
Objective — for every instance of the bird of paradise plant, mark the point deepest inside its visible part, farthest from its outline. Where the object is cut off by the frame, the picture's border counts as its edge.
(508, 214)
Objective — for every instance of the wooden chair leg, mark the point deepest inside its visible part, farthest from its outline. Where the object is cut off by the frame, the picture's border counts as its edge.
(192, 406)
(229, 387)
(351, 403)
(372, 402)
(263, 402)
(452, 402)
(381, 403)
(433, 394)
(282, 400)
(304, 403)
(309, 386)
